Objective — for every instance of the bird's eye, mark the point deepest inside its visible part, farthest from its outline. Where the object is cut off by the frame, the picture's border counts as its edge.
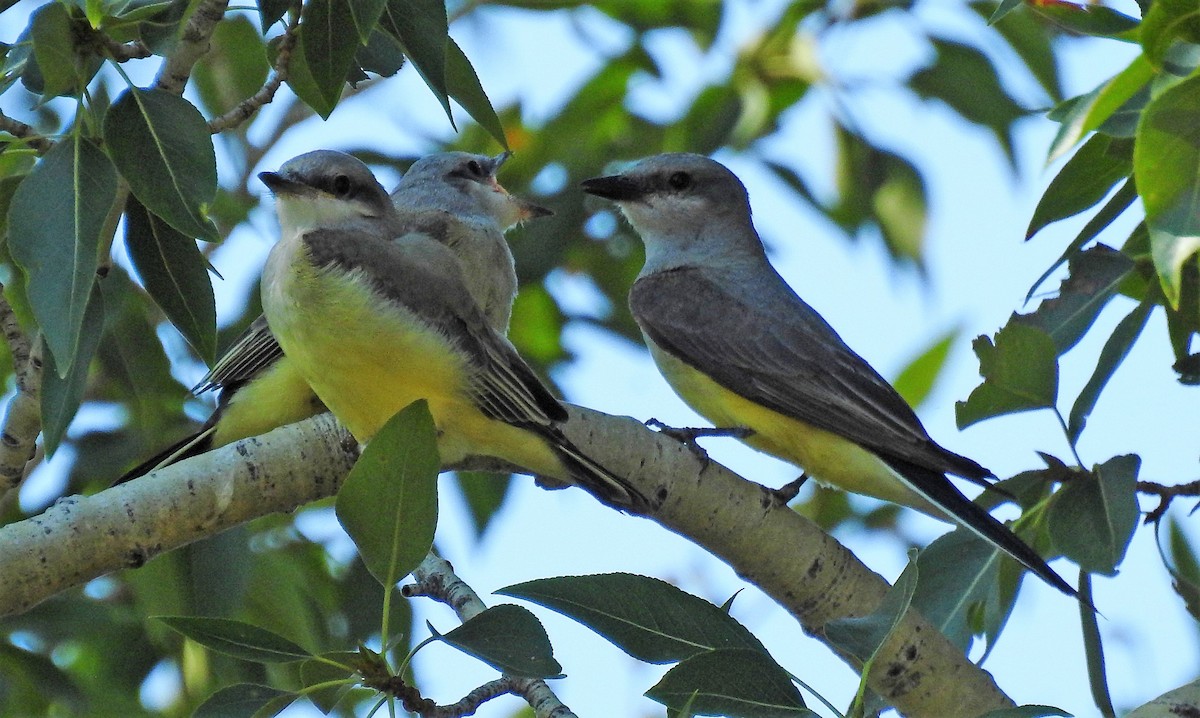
(475, 168)
(680, 180)
(341, 185)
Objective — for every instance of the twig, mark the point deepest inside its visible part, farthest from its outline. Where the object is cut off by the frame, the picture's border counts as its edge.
(24, 132)
(250, 105)
(124, 51)
(1165, 495)
(437, 580)
(193, 45)
(23, 421)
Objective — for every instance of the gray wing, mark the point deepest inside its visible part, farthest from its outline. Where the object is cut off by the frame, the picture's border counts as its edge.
(423, 276)
(786, 357)
(252, 352)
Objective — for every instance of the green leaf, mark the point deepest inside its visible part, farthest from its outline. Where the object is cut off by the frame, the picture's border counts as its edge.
(1020, 372)
(1093, 649)
(175, 273)
(161, 144)
(734, 682)
(245, 699)
(57, 216)
(237, 639)
(1029, 38)
(966, 80)
(300, 77)
(649, 619)
(382, 55)
(463, 85)
(1167, 22)
(1114, 352)
(959, 574)
(314, 671)
(1093, 277)
(1003, 8)
(1026, 712)
(862, 636)
(388, 503)
(329, 45)
(1083, 181)
(62, 395)
(54, 47)
(1088, 19)
(1092, 518)
(271, 12)
(484, 493)
(508, 638)
(1184, 568)
(1166, 166)
(234, 68)
(1081, 115)
(916, 381)
(366, 16)
(422, 28)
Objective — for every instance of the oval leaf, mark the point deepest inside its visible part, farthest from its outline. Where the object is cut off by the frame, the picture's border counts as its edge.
(508, 638)
(237, 638)
(55, 221)
(329, 45)
(388, 503)
(1020, 372)
(463, 85)
(735, 682)
(175, 274)
(161, 144)
(244, 699)
(649, 619)
(61, 396)
(422, 28)
(1093, 517)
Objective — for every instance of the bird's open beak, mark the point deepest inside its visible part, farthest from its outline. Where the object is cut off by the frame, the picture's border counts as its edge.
(618, 188)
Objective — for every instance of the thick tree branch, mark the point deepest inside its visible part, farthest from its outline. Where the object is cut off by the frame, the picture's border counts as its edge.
(436, 579)
(193, 45)
(787, 556)
(23, 420)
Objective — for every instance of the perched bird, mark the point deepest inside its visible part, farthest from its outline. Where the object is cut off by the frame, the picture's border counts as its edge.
(743, 350)
(451, 196)
(374, 322)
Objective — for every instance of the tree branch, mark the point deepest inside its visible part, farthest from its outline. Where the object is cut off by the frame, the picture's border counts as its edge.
(193, 45)
(809, 574)
(1166, 494)
(25, 133)
(437, 580)
(246, 108)
(23, 420)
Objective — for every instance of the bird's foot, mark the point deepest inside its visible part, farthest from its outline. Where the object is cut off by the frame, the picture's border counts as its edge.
(784, 494)
(687, 435)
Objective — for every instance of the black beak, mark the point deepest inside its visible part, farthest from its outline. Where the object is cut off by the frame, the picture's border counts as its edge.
(278, 184)
(498, 161)
(618, 188)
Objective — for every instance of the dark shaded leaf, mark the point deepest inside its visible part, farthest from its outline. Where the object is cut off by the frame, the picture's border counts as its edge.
(366, 16)
(1092, 517)
(1166, 159)
(1183, 566)
(1093, 277)
(735, 682)
(1093, 649)
(483, 493)
(1088, 19)
(313, 672)
(1020, 372)
(388, 503)
(1029, 38)
(649, 619)
(1083, 181)
(382, 55)
(62, 395)
(300, 78)
(862, 636)
(959, 573)
(271, 12)
(328, 46)
(57, 215)
(1114, 352)
(162, 146)
(244, 699)
(463, 85)
(54, 47)
(236, 638)
(175, 274)
(234, 68)
(422, 28)
(508, 638)
(1165, 23)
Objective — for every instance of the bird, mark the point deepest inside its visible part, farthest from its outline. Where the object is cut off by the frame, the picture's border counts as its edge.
(740, 347)
(374, 322)
(453, 197)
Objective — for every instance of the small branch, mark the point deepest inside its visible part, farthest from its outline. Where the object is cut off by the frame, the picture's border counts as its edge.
(25, 133)
(1165, 495)
(250, 105)
(436, 579)
(23, 421)
(193, 45)
(124, 51)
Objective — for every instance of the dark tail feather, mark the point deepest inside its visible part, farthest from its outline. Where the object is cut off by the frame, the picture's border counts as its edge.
(935, 488)
(592, 475)
(185, 448)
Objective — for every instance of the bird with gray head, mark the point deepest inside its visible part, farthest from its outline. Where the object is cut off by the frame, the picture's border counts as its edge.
(451, 196)
(373, 323)
(743, 350)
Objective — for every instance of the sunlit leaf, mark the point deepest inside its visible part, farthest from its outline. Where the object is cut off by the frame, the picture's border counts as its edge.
(917, 379)
(388, 503)
(1083, 181)
(1020, 372)
(508, 638)
(161, 144)
(649, 619)
(1086, 113)
(735, 682)
(1092, 517)
(57, 215)
(1168, 22)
